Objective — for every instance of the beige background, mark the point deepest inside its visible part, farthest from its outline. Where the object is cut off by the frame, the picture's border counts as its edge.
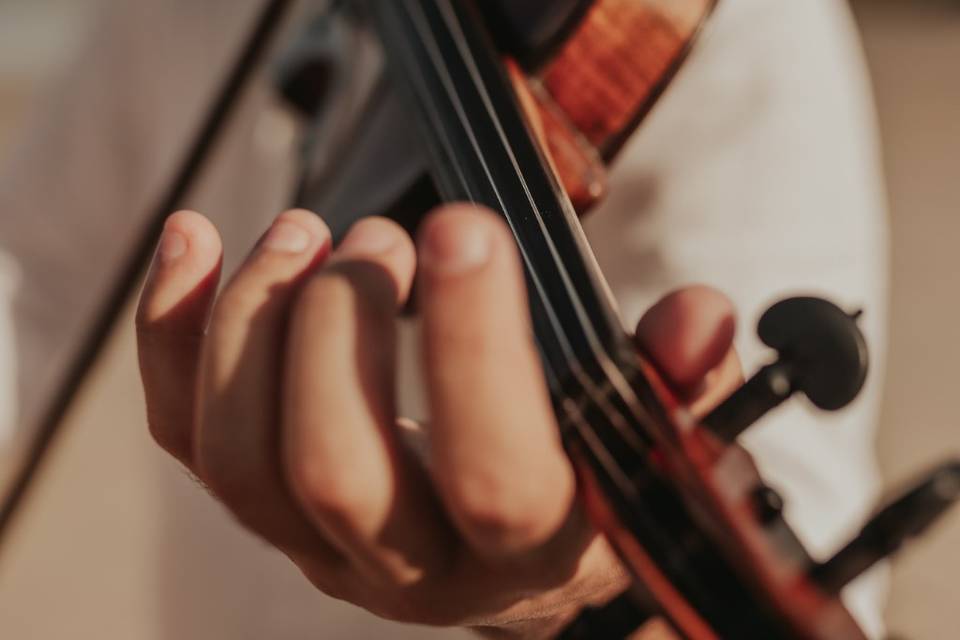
(913, 48)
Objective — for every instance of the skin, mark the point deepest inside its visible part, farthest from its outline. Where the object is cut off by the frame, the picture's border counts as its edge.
(278, 394)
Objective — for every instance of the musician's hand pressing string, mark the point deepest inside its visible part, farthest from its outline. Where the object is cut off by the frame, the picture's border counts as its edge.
(279, 395)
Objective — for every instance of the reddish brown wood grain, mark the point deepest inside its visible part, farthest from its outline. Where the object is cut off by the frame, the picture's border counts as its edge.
(606, 77)
(602, 82)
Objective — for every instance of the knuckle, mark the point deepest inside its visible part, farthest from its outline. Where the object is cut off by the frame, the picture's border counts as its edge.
(340, 499)
(495, 513)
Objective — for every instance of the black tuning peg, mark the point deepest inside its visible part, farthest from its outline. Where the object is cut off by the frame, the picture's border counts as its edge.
(905, 518)
(822, 354)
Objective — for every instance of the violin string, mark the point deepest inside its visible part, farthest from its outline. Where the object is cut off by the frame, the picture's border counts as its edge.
(573, 413)
(420, 79)
(588, 435)
(420, 21)
(430, 43)
(613, 373)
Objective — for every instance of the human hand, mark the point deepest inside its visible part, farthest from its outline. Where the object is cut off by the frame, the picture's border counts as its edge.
(279, 395)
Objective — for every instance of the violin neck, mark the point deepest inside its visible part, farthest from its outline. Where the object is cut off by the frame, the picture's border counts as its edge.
(482, 150)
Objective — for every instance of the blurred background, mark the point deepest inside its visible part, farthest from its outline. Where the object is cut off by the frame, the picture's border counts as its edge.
(912, 47)
(36, 38)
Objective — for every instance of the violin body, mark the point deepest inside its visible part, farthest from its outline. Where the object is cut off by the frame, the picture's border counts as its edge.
(520, 107)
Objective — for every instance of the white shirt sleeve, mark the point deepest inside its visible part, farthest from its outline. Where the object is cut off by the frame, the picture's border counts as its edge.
(759, 174)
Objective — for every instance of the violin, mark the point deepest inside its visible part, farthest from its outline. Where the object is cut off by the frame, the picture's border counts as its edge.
(519, 107)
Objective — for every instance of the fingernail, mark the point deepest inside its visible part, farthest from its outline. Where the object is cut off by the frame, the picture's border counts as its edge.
(173, 245)
(286, 237)
(369, 237)
(455, 248)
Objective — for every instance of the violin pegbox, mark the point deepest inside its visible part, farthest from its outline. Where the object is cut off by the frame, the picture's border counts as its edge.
(823, 355)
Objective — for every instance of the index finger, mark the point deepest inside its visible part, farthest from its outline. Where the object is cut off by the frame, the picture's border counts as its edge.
(497, 454)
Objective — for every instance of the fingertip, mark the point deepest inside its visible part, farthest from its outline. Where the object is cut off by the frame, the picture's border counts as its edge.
(688, 333)
(451, 217)
(189, 221)
(306, 216)
(511, 511)
(460, 238)
(184, 274)
(203, 244)
(385, 243)
(701, 300)
(308, 220)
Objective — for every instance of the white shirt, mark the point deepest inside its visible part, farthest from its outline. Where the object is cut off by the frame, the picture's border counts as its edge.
(759, 174)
